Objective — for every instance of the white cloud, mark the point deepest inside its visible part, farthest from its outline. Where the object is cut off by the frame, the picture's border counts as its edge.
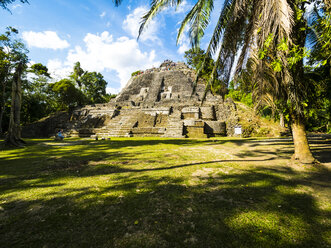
(183, 48)
(46, 39)
(111, 90)
(30, 75)
(104, 53)
(58, 70)
(132, 23)
(103, 14)
(30, 63)
(17, 6)
(184, 42)
(183, 7)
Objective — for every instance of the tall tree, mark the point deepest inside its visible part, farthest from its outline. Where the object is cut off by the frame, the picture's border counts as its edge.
(68, 95)
(12, 52)
(91, 84)
(94, 87)
(77, 74)
(272, 33)
(5, 68)
(19, 60)
(36, 100)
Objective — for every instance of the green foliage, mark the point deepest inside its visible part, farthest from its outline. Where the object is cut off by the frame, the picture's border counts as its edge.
(136, 73)
(67, 94)
(42, 98)
(13, 60)
(39, 70)
(248, 130)
(108, 97)
(240, 96)
(195, 58)
(38, 98)
(77, 73)
(297, 54)
(94, 87)
(91, 89)
(262, 132)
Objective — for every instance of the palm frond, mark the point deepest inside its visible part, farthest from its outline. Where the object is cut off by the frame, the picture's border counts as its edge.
(117, 2)
(156, 7)
(4, 3)
(198, 19)
(222, 22)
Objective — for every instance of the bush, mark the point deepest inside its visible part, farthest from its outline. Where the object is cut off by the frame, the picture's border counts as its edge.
(135, 73)
(262, 132)
(248, 130)
(240, 96)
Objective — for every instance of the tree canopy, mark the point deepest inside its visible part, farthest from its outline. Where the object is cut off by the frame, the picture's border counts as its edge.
(28, 93)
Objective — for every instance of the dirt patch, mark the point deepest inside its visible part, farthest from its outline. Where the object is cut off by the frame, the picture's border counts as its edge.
(69, 143)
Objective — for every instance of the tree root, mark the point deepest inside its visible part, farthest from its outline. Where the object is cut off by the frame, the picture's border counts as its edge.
(305, 159)
(17, 142)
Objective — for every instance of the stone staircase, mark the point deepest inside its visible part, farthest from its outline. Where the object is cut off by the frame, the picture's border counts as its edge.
(175, 126)
(120, 126)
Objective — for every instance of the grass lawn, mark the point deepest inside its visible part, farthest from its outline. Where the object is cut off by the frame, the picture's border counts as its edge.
(153, 192)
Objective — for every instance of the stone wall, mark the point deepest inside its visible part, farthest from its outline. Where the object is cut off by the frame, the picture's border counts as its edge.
(46, 127)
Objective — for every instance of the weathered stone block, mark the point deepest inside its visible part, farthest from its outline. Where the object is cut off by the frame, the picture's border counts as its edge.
(208, 113)
(215, 128)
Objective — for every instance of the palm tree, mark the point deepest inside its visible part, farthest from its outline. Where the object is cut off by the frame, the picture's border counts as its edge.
(270, 33)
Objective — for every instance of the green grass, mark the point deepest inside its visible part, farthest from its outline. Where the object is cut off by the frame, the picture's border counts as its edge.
(152, 192)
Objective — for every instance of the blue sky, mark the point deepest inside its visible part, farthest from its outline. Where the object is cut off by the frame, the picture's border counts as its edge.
(102, 37)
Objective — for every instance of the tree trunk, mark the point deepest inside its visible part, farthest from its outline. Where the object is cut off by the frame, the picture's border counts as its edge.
(3, 103)
(301, 147)
(2, 111)
(327, 4)
(14, 130)
(281, 120)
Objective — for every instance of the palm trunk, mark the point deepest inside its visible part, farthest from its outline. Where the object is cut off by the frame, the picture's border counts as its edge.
(301, 147)
(14, 130)
(327, 4)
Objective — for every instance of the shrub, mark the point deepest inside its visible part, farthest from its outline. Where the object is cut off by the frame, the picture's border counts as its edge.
(135, 73)
(238, 95)
(262, 132)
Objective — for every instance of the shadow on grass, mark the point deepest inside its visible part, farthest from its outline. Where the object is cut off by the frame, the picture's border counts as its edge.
(236, 210)
(255, 207)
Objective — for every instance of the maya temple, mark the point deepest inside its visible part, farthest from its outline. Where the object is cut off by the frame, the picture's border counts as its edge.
(157, 102)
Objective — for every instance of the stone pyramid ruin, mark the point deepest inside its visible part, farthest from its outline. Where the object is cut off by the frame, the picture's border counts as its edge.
(156, 102)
